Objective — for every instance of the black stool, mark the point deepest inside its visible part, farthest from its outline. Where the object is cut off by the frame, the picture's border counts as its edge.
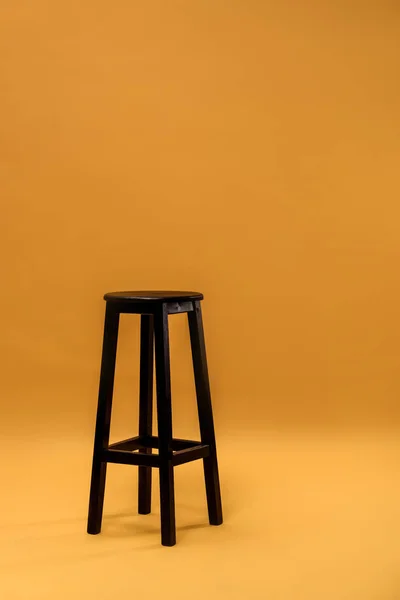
(154, 308)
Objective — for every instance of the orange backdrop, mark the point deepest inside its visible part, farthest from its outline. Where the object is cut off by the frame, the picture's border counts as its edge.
(249, 150)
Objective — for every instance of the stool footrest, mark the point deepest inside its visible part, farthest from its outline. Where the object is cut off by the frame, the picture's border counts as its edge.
(194, 453)
(131, 444)
(124, 457)
(182, 451)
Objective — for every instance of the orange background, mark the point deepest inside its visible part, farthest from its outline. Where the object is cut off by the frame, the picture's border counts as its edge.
(248, 150)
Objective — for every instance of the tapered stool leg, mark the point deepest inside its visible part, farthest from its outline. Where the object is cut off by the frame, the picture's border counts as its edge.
(103, 420)
(164, 415)
(146, 407)
(205, 414)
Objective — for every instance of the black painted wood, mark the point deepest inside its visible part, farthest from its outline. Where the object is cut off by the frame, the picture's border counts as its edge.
(131, 444)
(102, 433)
(146, 407)
(176, 443)
(189, 454)
(175, 308)
(151, 441)
(205, 414)
(164, 416)
(149, 308)
(154, 308)
(152, 297)
(124, 457)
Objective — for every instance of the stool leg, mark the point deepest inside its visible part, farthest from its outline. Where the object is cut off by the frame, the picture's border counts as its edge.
(146, 407)
(103, 420)
(205, 413)
(164, 415)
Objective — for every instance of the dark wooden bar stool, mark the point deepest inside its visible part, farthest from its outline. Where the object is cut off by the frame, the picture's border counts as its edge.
(154, 308)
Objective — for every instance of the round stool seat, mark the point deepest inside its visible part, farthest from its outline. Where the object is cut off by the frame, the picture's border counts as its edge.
(153, 296)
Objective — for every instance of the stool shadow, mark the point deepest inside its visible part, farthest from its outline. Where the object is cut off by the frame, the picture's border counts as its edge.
(144, 524)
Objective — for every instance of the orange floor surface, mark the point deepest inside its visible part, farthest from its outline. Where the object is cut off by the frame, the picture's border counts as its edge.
(307, 517)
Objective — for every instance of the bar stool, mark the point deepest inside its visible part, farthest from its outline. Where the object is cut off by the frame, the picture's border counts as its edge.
(154, 308)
